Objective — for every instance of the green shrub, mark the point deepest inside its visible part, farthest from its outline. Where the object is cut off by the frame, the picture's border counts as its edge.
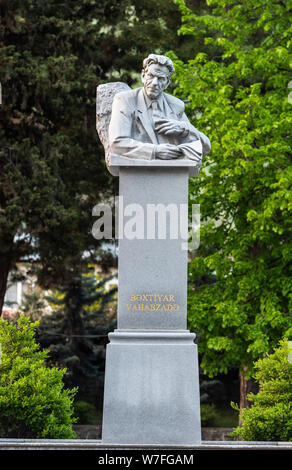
(33, 401)
(209, 414)
(269, 418)
(84, 412)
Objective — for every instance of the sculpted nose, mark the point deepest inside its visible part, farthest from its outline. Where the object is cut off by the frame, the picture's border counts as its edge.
(155, 81)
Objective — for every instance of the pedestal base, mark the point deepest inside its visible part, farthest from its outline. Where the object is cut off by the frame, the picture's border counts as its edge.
(151, 388)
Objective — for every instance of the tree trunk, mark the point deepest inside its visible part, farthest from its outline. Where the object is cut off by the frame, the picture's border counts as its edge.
(245, 388)
(4, 271)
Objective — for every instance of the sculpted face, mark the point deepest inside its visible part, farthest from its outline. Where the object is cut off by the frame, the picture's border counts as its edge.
(155, 80)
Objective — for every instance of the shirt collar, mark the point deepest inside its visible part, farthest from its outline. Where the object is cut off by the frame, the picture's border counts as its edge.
(148, 101)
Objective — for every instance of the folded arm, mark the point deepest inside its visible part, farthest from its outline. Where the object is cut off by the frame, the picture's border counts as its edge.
(185, 131)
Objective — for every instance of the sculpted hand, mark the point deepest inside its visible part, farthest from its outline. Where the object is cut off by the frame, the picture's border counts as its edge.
(170, 127)
(167, 152)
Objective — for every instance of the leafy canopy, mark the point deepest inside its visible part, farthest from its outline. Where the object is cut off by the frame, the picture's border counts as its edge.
(236, 92)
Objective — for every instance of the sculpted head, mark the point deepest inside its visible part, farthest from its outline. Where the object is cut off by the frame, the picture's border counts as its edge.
(156, 74)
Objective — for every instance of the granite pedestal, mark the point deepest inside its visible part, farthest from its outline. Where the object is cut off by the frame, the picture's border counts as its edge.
(151, 391)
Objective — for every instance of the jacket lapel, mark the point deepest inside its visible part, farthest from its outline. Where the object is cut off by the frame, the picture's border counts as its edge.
(173, 112)
(142, 116)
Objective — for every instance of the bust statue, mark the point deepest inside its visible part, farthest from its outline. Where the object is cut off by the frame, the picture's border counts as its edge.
(147, 123)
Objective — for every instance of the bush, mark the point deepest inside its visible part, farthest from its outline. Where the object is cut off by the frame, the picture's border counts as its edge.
(33, 401)
(84, 412)
(209, 414)
(269, 418)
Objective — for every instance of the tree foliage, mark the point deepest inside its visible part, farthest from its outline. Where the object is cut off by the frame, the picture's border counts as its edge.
(52, 171)
(33, 401)
(236, 92)
(75, 332)
(269, 418)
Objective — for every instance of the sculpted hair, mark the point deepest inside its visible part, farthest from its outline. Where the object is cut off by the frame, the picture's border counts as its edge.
(158, 59)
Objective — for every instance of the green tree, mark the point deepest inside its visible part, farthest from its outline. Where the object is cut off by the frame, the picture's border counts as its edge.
(236, 92)
(33, 305)
(52, 171)
(33, 401)
(269, 418)
(76, 330)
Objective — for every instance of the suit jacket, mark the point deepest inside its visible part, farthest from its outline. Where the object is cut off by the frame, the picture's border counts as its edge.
(132, 133)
